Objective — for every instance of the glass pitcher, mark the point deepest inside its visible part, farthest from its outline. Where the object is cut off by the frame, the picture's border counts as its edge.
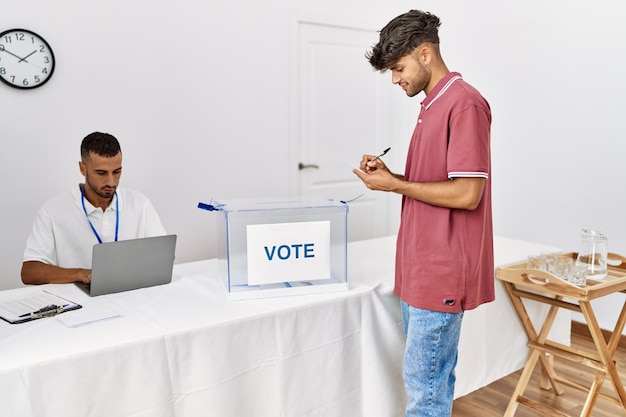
(593, 253)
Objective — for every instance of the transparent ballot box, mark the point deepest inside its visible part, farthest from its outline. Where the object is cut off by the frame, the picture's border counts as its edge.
(277, 247)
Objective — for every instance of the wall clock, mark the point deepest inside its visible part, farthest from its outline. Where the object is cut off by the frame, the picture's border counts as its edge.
(26, 59)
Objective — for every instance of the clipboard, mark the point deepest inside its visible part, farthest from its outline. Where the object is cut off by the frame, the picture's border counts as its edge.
(35, 306)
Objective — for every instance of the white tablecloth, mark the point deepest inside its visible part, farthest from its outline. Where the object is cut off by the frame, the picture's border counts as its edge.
(183, 350)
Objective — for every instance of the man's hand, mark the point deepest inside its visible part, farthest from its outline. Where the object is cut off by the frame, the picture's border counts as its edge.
(375, 174)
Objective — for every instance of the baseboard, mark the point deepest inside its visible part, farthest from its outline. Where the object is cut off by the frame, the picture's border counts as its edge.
(582, 329)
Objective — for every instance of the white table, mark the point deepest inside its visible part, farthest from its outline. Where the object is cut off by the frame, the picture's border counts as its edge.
(183, 350)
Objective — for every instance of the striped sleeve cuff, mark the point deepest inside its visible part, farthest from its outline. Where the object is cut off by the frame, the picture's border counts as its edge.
(463, 174)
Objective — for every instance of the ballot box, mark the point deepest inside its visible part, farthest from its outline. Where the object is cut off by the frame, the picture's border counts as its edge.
(279, 247)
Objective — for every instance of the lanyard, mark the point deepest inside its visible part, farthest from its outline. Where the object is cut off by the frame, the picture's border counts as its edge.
(117, 215)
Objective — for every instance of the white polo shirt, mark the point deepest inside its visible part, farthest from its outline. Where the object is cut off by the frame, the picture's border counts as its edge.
(62, 235)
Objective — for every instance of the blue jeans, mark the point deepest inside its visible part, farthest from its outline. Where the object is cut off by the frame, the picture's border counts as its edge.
(430, 356)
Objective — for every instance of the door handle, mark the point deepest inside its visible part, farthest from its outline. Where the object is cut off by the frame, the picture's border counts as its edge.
(302, 166)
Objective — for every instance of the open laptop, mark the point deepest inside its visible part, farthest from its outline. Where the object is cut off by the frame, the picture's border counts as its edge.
(131, 264)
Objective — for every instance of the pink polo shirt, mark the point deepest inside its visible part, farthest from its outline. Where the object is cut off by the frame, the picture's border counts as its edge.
(444, 258)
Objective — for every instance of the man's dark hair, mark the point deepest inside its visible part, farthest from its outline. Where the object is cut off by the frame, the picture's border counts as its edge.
(102, 144)
(401, 36)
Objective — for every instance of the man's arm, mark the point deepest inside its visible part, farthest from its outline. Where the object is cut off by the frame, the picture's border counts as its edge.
(35, 272)
(460, 193)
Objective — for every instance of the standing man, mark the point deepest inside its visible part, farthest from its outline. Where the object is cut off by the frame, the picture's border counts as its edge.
(444, 258)
(66, 227)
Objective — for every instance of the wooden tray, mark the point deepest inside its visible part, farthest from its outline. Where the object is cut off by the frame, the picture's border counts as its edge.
(615, 281)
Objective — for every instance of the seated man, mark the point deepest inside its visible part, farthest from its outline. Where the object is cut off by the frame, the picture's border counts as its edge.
(66, 227)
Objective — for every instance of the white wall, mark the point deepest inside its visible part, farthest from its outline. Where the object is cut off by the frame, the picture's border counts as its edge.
(197, 92)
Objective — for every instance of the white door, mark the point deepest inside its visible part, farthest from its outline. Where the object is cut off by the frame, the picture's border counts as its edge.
(342, 111)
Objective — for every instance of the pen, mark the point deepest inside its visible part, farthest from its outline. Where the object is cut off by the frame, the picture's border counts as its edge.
(46, 309)
(382, 154)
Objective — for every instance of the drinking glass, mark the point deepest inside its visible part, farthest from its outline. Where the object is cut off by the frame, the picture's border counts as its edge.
(564, 268)
(579, 275)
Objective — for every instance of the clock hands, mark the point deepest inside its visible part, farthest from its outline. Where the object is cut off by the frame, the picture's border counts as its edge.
(3, 49)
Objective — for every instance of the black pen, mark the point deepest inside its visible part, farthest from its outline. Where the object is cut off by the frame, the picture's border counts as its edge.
(382, 154)
(46, 309)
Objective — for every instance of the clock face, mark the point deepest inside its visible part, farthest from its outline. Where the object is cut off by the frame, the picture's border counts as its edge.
(26, 60)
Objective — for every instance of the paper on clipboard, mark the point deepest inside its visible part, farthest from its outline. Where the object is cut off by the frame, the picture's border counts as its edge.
(34, 306)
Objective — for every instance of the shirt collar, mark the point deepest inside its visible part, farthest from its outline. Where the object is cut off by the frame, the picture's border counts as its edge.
(440, 88)
(77, 196)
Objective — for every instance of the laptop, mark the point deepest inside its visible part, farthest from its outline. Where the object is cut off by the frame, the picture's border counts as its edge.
(131, 264)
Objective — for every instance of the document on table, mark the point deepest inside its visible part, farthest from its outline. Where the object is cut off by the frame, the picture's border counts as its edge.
(89, 315)
(34, 306)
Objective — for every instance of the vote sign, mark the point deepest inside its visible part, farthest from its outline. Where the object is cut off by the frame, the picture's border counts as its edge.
(283, 252)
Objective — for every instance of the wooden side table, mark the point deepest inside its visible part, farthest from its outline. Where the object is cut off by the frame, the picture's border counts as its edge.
(541, 286)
